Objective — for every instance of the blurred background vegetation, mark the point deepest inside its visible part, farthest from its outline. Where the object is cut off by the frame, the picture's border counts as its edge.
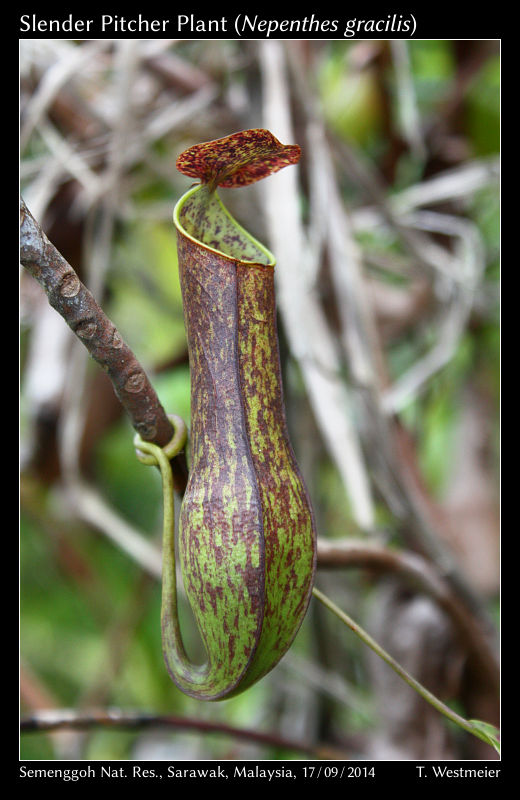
(412, 131)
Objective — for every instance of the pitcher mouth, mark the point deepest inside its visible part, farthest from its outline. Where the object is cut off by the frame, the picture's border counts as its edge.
(201, 216)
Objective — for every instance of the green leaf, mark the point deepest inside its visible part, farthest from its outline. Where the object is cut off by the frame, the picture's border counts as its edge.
(487, 732)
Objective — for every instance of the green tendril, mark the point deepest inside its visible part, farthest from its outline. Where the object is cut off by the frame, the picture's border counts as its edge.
(482, 730)
(151, 454)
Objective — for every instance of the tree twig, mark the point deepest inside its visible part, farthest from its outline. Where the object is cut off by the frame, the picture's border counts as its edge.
(73, 301)
(422, 575)
(51, 720)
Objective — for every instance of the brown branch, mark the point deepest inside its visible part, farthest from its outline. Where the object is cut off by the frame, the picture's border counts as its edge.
(73, 301)
(424, 577)
(51, 720)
